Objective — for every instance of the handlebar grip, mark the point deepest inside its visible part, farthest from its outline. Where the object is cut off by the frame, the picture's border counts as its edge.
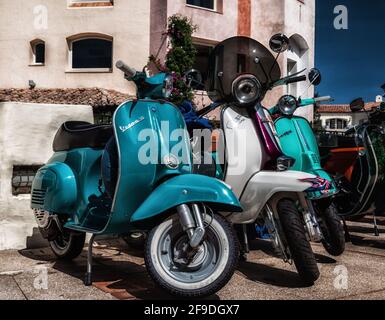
(128, 71)
(201, 113)
(296, 79)
(323, 99)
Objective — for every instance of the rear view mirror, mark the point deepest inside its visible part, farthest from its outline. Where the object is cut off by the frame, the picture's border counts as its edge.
(193, 78)
(279, 43)
(315, 77)
(357, 105)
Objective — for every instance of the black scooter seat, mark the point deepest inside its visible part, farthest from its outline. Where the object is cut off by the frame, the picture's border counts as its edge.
(80, 134)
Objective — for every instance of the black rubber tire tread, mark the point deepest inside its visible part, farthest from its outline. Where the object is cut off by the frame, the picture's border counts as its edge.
(295, 235)
(76, 245)
(335, 242)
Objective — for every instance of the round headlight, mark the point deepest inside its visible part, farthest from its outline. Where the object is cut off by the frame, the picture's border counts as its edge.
(168, 86)
(287, 105)
(246, 89)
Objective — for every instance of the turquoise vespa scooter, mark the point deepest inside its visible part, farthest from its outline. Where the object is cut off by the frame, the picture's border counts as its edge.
(135, 176)
(298, 141)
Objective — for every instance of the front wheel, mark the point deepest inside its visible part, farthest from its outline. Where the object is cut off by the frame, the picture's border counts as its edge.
(299, 246)
(209, 270)
(332, 231)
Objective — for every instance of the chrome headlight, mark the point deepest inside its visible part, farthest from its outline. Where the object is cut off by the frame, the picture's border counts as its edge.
(246, 89)
(168, 86)
(287, 105)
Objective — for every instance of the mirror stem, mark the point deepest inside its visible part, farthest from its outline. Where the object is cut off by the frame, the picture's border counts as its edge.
(268, 79)
(272, 67)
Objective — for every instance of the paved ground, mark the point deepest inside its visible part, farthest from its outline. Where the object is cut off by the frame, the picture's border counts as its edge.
(120, 274)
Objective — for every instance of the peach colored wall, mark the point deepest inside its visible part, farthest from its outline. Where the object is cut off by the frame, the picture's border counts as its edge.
(213, 26)
(137, 28)
(128, 22)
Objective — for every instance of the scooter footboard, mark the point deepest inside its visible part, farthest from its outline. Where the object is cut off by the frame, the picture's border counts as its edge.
(263, 186)
(54, 188)
(188, 188)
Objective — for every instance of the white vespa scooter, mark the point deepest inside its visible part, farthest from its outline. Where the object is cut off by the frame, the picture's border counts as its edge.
(241, 72)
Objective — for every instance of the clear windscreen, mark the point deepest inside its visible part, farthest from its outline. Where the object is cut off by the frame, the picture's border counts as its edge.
(236, 56)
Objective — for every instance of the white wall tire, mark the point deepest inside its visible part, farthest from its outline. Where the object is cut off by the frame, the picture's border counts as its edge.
(209, 272)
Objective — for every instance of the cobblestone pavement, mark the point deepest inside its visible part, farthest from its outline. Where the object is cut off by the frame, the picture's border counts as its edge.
(120, 273)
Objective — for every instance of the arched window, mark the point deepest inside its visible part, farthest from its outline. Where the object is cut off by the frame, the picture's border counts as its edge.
(38, 52)
(91, 52)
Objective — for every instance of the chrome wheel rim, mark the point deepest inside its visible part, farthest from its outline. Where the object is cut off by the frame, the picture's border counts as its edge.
(204, 262)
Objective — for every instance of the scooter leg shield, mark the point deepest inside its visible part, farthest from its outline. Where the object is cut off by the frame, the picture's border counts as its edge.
(188, 188)
(54, 188)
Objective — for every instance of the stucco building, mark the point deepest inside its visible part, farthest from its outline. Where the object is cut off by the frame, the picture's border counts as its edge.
(75, 43)
(259, 19)
(71, 44)
(64, 52)
(337, 118)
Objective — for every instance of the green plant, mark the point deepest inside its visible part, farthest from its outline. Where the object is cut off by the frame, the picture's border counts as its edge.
(180, 57)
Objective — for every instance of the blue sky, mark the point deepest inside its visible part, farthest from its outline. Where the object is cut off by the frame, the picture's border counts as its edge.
(352, 61)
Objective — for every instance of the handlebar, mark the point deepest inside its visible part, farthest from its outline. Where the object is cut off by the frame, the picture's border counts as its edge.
(307, 102)
(323, 99)
(128, 71)
(201, 113)
(296, 79)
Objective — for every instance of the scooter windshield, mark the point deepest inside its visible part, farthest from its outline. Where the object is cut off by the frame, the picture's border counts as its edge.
(234, 57)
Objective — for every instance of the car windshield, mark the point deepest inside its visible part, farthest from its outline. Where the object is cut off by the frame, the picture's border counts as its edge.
(236, 56)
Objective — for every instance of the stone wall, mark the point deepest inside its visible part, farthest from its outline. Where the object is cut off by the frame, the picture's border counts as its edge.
(26, 135)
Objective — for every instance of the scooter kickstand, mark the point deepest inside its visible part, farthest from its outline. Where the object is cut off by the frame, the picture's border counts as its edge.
(245, 248)
(88, 276)
(376, 230)
(347, 234)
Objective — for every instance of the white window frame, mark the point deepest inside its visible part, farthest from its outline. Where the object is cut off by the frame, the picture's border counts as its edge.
(347, 120)
(72, 3)
(33, 45)
(71, 41)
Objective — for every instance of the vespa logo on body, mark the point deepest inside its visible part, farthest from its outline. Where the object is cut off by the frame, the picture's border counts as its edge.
(130, 125)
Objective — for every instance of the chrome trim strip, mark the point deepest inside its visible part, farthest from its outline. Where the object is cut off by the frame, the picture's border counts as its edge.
(119, 154)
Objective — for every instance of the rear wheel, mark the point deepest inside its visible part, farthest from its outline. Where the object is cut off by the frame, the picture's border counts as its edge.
(332, 231)
(68, 245)
(135, 240)
(299, 246)
(204, 273)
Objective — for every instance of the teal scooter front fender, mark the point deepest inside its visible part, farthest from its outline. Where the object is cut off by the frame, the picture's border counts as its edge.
(188, 188)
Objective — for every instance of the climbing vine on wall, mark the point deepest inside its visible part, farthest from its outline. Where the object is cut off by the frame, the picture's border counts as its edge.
(180, 57)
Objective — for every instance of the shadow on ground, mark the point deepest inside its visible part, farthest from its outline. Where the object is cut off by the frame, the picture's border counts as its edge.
(112, 273)
(269, 275)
